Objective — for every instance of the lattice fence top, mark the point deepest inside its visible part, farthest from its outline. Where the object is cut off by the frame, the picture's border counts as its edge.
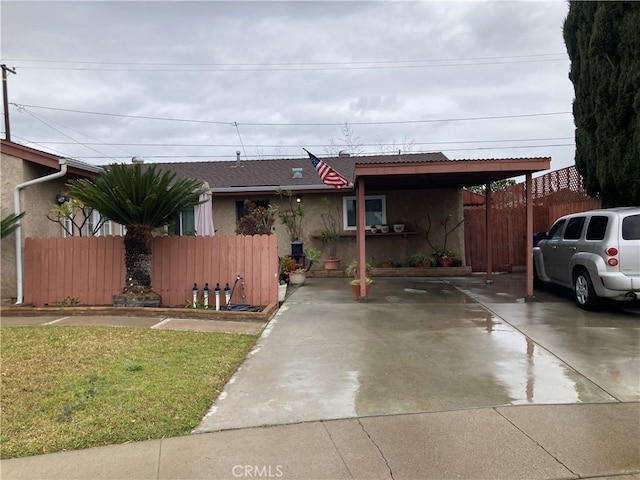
(557, 187)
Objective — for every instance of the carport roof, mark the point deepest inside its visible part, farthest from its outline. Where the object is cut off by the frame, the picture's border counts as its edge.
(418, 170)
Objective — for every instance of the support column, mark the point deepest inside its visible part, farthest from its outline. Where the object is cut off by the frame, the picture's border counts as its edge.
(360, 239)
(488, 235)
(529, 240)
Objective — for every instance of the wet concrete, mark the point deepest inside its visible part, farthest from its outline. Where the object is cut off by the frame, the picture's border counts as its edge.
(425, 345)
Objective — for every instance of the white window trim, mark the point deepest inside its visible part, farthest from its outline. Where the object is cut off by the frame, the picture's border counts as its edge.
(345, 225)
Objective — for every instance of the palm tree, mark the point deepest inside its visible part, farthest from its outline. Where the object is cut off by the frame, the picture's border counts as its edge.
(10, 223)
(141, 199)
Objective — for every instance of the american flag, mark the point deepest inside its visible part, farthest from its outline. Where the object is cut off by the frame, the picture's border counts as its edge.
(327, 174)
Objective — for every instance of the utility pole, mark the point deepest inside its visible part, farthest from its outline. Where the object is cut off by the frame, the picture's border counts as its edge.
(5, 94)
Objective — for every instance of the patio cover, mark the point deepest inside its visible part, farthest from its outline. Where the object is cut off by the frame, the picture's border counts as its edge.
(396, 173)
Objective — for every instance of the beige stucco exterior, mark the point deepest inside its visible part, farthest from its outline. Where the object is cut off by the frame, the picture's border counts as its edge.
(411, 207)
(35, 200)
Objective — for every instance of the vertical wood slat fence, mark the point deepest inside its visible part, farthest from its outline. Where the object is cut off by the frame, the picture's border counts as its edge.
(92, 268)
(555, 194)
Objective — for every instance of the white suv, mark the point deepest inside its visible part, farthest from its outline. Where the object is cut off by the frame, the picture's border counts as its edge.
(595, 253)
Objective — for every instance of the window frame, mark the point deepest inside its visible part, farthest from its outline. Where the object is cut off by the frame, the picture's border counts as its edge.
(345, 211)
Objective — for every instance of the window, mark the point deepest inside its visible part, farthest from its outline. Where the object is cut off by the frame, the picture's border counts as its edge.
(597, 227)
(375, 207)
(631, 227)
(554, 233)
(574, 228)
(241, 211)
(185, 223)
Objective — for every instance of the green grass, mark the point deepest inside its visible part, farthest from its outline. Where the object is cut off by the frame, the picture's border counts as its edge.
(66, 388)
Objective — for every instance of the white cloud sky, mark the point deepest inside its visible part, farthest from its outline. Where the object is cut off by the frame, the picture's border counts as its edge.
(289, 63)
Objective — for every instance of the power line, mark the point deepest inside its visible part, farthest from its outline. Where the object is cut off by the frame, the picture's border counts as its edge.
(280, 64)
(65, 135)
(289, 69)
(319, 145)
(364, 153)
(266, 124)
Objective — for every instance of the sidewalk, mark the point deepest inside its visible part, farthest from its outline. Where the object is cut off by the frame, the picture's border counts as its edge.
(532, 442)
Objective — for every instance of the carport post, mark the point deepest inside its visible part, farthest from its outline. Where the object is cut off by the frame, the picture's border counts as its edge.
(488, 235)
(360, 239)
(529, 240)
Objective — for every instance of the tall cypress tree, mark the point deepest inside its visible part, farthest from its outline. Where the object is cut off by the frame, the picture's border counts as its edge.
(603, 42)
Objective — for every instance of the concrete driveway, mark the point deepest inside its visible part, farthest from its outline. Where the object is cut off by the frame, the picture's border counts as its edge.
(426, 345)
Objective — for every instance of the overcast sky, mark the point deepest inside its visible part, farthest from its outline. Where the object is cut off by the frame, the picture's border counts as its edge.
(268, 78)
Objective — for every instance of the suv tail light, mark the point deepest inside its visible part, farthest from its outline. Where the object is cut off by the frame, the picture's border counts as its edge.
(612, 252)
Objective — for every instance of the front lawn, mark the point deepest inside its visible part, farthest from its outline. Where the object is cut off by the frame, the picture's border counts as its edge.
(66, 388)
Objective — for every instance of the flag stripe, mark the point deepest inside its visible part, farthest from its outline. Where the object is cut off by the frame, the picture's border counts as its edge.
(327, 174)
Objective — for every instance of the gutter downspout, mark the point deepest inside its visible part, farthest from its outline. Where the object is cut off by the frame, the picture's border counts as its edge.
(16, 209)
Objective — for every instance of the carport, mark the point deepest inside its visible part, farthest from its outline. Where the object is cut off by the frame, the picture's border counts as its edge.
(445, 173)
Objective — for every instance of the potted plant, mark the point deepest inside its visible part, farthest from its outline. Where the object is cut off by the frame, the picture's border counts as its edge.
(390, 263)
(352, 269)
(419, 259)
(330, 233)
(313, 255)
(287, 265)
(291, 212)
(444, 258)
(297, 276)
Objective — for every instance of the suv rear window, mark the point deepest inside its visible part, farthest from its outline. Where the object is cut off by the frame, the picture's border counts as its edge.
(631, 227)
(597, 227)
(574, 228)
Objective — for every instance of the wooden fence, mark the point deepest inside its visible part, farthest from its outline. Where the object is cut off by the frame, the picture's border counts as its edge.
(92, 268)
(555, 194)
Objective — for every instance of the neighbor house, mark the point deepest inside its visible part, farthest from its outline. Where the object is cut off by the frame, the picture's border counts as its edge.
(38, 180)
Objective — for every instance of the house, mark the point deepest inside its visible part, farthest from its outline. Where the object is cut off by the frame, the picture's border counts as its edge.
(422, 191)
(36, 179)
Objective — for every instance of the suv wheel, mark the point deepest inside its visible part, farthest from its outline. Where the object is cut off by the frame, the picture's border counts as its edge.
(584, 293)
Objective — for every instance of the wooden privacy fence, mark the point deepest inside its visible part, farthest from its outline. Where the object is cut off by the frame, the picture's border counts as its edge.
(555, 194)
(92, 268)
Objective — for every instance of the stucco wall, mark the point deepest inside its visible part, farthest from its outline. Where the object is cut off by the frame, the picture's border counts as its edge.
(410, 207)
(36, 201)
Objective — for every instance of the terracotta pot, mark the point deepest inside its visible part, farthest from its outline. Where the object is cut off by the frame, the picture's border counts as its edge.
(332, 264)
(424, 265)
(445, 261)
(355, 290)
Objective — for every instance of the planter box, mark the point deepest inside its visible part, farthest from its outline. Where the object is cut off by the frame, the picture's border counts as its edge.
(124, 301)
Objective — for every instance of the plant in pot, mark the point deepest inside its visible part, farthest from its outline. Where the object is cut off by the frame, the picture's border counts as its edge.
(287, 265)
(330, 233)
(419, 259)
(297, 276)
(313, 255)
(390, 263)
(291, 213)
(352, 270)
(444, 258)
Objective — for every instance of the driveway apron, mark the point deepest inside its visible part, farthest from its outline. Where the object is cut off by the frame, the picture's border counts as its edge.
(419, 345)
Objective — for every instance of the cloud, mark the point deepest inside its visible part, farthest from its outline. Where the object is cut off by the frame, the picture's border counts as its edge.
(289, 63)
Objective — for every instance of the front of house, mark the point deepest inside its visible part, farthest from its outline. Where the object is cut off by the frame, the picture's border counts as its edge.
(423, 192)
(283, 182)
